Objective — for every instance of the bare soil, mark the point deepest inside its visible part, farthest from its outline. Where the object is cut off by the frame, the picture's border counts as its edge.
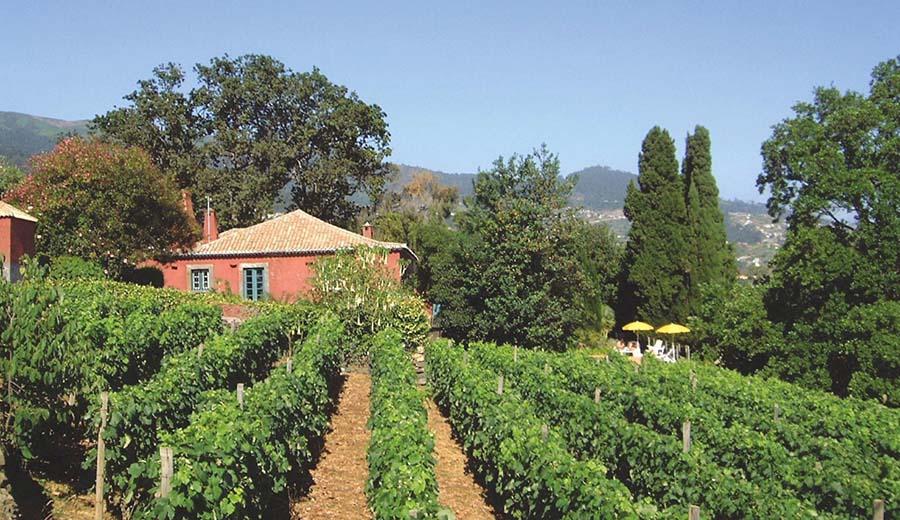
(457, 488)
(339, 479)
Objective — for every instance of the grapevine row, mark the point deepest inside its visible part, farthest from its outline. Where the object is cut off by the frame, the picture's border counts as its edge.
(401, 462)
(234, 459)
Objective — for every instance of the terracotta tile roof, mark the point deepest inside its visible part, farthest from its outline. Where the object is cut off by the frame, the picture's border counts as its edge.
(292, 233)
(7, 210)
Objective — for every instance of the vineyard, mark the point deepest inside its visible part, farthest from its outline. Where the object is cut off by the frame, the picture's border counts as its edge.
(567, 435)
(180, 416)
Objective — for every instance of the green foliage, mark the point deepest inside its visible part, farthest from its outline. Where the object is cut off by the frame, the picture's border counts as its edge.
(836, 455)
(712, 258)
(102, 202)
(230, 462)
(677, 239)
(599, 255)
(512, 274)
(250, 126)
(731, 326)
(833, 168)
(401, 463)
(533, 476)
(10, 175)
(360, 288)
(74, 268)
(139, 413)
(63, 342)
(657, 261)
(651, 464)
(429, 237)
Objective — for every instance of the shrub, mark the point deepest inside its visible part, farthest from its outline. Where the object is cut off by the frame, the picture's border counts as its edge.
(75, 268)
(359, 287)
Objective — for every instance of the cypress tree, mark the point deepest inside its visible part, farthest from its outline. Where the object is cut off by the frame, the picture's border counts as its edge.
(655, 281)
(712, 258)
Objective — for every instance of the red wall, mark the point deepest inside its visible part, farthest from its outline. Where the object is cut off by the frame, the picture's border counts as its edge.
(16, 240)
(289, 276)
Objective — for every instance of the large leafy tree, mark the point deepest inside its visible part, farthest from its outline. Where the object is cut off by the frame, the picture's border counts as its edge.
(249, 127)
(712, 258)
(511, 274)
(657, 256)
(103, 202)
(833, 169)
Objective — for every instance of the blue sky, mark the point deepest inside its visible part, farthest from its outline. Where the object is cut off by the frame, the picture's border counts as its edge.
(463, 82)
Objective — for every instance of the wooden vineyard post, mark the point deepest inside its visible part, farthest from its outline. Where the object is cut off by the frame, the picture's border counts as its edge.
(290, 365)
(546, 368)
(99, 504)
(597, 394)
(165, 471)
(878, 510)
(545, 431)
(240, 395)
(200, 349)
(687, 349)
(500, 384)
(694, 513)
(686, 436)
(693, 380)
(777, 413)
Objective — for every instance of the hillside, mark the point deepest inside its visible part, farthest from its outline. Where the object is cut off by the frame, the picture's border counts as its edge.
(598, 187)
(23, 135)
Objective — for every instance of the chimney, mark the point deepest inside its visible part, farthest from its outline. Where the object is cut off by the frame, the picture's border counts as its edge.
(210, 226)
(368, 231)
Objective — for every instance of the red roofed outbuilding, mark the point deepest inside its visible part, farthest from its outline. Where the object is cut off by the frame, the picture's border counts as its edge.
(17, 230)
(273, 258)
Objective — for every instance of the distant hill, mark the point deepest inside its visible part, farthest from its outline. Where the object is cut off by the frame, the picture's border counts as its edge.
(598, 188)
(601, 187)
(23, 135)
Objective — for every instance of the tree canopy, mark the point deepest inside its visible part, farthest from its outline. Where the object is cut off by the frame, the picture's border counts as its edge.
(676, 243)
(250, 126)
(512, 274)
(833, 169)
(657, 260)
(712, 258)
(102, 202)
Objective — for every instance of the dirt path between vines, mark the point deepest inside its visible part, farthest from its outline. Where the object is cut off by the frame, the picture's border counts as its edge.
(339, 479)
(457, 489)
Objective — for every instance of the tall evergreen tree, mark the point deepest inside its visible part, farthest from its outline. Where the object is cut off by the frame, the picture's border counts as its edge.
(657, 257)
(712, 257)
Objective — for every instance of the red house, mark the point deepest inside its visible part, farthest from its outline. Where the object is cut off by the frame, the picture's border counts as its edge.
(272, 258)
(16, 239)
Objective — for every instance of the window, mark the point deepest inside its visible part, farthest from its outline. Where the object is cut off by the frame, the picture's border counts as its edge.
(199, 280)
(254, 283)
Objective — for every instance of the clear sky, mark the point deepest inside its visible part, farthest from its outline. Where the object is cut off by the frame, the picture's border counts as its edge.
(463, 82)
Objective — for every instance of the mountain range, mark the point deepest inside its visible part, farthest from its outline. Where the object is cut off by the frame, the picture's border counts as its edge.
(23, 135)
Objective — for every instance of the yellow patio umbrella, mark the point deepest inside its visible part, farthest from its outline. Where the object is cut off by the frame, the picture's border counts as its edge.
(672, 329)
(637, 326)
